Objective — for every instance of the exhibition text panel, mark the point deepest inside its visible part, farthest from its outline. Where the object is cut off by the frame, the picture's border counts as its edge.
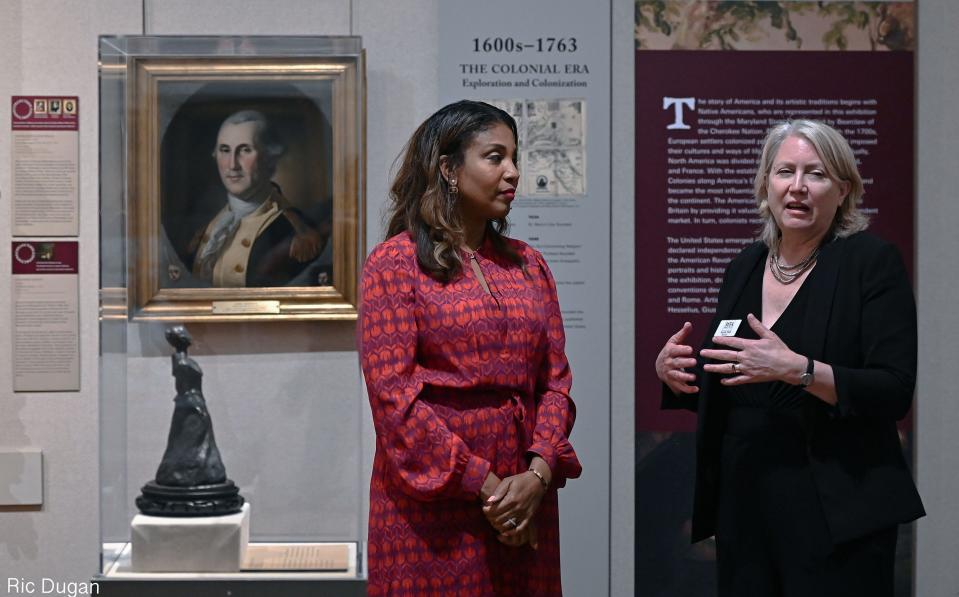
(46, 348)
(45, 165)
(701, 117)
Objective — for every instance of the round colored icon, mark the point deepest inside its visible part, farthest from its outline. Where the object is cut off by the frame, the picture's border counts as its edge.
(22, 109)
(25, 253)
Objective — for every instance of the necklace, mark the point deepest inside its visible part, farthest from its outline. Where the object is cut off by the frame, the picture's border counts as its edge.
(470, 251)
(787, 274)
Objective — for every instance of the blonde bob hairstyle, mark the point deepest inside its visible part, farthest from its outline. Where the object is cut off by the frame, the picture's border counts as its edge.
(840, 164)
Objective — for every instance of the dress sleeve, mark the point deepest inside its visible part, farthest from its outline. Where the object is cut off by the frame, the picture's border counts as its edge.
(424, 458)
(555, 410)
(883, 386)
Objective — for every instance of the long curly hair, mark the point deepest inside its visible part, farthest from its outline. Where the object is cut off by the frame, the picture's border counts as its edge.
(421, 202)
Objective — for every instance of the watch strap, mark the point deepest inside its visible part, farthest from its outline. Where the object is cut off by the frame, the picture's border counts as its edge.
(806, 379)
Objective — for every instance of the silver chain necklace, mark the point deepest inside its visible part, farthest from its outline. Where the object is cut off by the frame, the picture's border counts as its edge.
(787, 274)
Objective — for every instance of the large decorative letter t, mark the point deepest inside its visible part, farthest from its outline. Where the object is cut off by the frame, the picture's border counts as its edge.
(677, 103)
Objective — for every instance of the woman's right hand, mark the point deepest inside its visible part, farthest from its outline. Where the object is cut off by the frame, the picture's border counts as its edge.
(527, 535)
(673, 360)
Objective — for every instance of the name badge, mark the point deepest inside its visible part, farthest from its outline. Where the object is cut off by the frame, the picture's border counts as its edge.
(728, 327)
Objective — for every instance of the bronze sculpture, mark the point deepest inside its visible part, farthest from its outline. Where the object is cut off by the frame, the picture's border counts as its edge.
(191, 479)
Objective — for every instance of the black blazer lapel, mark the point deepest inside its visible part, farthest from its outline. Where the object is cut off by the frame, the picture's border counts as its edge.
(737, 278)
(711, 422)
(821, 292)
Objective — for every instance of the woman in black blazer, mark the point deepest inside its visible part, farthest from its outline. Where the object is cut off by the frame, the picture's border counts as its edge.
(800, 475)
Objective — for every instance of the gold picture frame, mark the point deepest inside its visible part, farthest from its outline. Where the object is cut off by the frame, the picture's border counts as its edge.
(175, 106)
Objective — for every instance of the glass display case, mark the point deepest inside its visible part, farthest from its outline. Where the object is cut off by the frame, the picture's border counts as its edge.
(231, 202)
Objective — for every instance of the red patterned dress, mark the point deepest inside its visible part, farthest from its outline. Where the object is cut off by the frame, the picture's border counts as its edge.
(461, 382)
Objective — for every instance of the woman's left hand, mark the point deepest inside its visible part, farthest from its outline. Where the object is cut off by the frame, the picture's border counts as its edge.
(754, 361)
(520, 538)
(516, 499)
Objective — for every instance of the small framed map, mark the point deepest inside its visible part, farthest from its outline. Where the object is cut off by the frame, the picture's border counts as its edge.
(552, 143)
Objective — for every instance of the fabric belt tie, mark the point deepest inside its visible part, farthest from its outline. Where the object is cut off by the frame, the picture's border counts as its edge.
(518, 406)
(519, 409)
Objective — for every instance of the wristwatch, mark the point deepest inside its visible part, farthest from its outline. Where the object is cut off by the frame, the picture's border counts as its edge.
(805, 380)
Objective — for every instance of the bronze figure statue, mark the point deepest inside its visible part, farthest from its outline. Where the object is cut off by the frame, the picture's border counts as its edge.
(191, 479)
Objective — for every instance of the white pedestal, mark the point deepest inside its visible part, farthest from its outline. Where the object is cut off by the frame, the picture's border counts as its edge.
(201, 544)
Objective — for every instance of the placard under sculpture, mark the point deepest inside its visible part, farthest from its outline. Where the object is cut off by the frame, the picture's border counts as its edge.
(191, 479)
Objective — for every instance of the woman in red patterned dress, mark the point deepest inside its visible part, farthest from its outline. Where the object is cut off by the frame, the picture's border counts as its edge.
(462, 347)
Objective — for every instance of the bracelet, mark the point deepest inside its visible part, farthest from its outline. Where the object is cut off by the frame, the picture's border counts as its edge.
(539, 476)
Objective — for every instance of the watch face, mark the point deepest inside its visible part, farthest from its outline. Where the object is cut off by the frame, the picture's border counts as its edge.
(805, 379)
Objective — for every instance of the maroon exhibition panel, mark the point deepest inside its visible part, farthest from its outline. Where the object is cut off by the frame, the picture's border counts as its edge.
(45, 257)
(700, 120)
(45, 112)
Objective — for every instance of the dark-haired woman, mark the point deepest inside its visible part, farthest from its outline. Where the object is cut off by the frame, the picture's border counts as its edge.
(462, 347)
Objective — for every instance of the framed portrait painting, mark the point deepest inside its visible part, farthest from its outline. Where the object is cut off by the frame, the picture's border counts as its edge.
(244, 188)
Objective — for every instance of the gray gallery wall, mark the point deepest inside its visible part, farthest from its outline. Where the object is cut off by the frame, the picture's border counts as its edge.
(49, 46)
(937, 420)
(622, 421)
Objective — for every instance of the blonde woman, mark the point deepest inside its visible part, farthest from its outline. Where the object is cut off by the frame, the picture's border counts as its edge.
(800, 475)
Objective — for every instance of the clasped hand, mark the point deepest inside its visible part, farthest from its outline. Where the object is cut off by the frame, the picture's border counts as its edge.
(515, 499)
(753, 361)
